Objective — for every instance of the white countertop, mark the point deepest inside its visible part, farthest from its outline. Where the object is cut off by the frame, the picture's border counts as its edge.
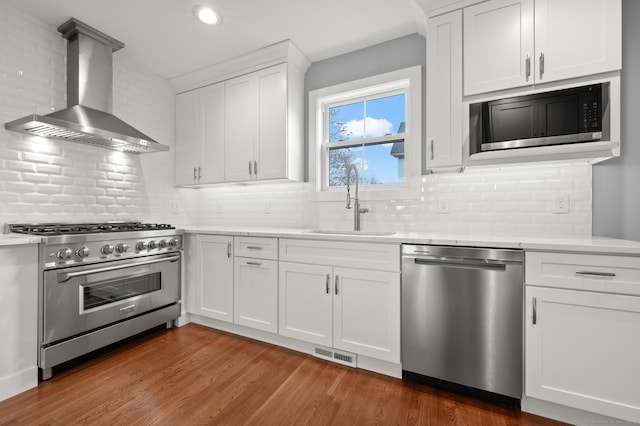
(592, 244)
(589, 244)
(18, 239)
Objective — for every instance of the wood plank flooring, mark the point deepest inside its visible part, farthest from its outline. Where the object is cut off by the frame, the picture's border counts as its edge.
(194, 375)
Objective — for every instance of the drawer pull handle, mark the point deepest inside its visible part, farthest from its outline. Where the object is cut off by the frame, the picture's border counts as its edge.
(596, 274)
(254, 248)
(254, 263)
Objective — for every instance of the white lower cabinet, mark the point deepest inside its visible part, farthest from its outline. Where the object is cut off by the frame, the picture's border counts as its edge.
(255, 301)
(366, 313)
(355, 310)
(19, 307)
(210, 271)
(582, 345)
(306, 302)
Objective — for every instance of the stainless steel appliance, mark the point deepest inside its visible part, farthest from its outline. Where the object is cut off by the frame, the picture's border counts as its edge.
(102, 282)
(575, 115)
(462, 316)
(88, 118)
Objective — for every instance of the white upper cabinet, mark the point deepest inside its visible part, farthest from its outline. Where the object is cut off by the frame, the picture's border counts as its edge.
(514, 43)
(188, 137)
(256, 126)
(498, 44)
(240, 109)
(444, 91)
(243, 119)
(200, 136)
(577, 37)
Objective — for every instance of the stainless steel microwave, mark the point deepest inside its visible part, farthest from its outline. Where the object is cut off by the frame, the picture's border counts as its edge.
(575, 115)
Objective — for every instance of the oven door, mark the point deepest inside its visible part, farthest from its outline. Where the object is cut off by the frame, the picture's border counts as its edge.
(83, 298)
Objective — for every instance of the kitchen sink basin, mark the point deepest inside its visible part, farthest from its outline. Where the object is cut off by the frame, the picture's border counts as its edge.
(338, 232)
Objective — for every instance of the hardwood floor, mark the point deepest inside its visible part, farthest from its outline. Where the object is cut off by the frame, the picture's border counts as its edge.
(195, 375)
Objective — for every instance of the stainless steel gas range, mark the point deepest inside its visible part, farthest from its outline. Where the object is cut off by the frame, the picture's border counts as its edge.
(102, 282)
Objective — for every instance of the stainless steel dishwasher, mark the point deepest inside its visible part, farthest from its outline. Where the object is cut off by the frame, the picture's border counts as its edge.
(462, 311)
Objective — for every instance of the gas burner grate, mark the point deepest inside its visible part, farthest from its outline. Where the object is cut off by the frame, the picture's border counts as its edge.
(45, 229)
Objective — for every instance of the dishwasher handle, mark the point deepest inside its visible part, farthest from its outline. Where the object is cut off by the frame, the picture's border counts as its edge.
(463, 262)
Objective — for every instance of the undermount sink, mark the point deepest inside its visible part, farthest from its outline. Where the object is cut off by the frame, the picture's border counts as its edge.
(338, 232)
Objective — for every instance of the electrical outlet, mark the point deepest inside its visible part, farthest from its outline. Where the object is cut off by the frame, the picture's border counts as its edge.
(443, 205)
(561, 203)
(218, 208)
(267, 208)
(175, 207)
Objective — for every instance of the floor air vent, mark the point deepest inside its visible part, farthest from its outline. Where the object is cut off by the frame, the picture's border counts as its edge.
(341, 357)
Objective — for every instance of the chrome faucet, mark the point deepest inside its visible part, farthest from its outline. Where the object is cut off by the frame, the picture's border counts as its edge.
(356, 201)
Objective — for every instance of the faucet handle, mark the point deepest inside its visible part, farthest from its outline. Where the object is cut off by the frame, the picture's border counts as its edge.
(364, 210)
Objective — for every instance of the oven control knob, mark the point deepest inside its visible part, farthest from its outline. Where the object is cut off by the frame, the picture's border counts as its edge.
(152, 245)
(121, 248)
(64, 253)
(173, 242)
(83, 252)
(106, 249)
(162, 244)
(141, 245)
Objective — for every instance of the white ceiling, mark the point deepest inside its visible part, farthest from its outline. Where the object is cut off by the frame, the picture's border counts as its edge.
(164, 37)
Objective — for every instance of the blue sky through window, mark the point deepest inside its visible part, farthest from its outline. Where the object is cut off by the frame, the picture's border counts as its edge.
(350, 123)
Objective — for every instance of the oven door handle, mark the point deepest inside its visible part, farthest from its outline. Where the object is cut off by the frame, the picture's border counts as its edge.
(64, 277)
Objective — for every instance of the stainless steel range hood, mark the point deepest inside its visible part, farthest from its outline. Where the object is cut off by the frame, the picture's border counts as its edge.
(88, 117)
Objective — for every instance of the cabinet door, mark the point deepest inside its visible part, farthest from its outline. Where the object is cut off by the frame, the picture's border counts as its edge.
(367, 313)
(188, 137)
(240, 127)
(305, 302)
(211, 288)
(271, 151)
(498, 44)
(444, 91)
(582, 350)
(577, 37)
(212, 110)
(256, 293)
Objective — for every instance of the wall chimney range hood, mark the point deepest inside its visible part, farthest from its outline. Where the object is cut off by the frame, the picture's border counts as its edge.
(88, 118)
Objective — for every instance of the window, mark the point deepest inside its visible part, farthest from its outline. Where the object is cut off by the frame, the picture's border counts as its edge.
(371, 123)
(370, 134)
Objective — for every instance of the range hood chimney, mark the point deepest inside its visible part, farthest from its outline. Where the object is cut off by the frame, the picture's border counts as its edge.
(88, 117)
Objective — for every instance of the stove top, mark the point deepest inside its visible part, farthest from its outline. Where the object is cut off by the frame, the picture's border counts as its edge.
(51, 229)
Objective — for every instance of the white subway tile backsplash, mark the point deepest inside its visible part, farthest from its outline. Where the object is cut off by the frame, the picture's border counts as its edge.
(44, 180)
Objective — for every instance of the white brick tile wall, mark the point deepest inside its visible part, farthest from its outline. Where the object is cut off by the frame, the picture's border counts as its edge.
(507, 201)
(45, 180)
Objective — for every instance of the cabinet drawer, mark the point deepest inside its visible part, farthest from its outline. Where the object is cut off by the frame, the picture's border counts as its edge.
(257, 247)
(602, 273)
(381, 257)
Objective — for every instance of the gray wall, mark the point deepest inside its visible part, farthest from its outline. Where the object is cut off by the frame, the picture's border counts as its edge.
(392, 55)
(616, 182)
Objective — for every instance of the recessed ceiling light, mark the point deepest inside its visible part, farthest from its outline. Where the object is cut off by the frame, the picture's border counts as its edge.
(206, 14)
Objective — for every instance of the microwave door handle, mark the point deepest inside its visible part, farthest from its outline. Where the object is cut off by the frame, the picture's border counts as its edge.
(64, 277)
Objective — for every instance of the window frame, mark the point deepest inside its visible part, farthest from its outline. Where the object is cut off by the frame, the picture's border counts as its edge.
(407, 81)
